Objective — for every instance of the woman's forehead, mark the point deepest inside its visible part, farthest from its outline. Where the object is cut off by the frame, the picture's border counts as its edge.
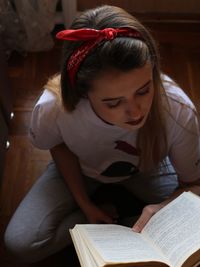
(115, 81)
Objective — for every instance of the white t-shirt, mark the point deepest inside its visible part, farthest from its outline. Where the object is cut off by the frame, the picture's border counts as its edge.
(108, 153)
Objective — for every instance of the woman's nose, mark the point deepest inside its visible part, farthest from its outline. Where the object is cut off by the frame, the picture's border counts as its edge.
(133, 110)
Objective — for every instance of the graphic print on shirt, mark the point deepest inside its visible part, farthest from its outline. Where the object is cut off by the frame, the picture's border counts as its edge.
(127, 148)
(122, 168)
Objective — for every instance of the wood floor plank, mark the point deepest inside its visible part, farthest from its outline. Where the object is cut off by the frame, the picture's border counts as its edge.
(24, 164)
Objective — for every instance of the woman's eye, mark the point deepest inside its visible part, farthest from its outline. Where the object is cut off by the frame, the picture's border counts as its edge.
(144, 91)
(113, 104)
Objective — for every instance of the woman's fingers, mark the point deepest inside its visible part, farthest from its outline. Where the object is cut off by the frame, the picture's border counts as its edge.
(146, 215)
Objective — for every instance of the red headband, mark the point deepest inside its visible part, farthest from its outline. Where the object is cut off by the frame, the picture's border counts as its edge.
(92, 38)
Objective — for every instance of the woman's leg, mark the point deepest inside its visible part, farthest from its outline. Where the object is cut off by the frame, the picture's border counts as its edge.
(156, 187)
(40, 225)
(148, 189)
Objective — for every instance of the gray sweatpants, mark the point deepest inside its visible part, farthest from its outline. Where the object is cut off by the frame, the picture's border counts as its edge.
(40, 226)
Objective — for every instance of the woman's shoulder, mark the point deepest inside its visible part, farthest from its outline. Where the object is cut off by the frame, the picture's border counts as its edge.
(177, 103)
(174, 94)
(47, 106)
(43, 131)
(180, 112)
(47, 99)
(50, 97)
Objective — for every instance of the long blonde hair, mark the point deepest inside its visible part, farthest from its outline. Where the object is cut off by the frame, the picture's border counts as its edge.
(53, 85)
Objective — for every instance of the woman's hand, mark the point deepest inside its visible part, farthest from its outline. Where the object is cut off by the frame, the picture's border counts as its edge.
(102, 214)
(150, 210)
(146, 215)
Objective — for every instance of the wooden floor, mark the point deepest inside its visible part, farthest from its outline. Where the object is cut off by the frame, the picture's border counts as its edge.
(180, 49)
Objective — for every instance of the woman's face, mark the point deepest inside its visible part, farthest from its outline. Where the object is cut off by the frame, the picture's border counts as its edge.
(123, 98)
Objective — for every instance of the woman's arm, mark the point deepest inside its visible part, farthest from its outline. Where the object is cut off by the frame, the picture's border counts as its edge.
(69, 167)
(150, 210)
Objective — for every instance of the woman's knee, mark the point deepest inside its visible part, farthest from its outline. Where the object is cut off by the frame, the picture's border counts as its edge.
(19, 244)
(26, 243)
(33, 242)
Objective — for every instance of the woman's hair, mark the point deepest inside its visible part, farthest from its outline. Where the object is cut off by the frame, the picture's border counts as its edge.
(124, 54)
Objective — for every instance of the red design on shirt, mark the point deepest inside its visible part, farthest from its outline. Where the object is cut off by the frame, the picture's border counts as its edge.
(127, 148)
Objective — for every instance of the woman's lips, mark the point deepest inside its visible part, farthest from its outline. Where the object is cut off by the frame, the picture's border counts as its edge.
(135, 122)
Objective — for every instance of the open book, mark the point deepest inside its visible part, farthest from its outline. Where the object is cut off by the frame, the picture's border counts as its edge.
(170, 238)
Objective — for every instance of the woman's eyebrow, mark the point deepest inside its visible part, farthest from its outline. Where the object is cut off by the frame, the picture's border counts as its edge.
(121, 97)
(143, 86)
(112, 98)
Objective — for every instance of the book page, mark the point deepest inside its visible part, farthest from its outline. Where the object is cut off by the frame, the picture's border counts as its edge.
(117, 244)
(175, 229)
(84, 256)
